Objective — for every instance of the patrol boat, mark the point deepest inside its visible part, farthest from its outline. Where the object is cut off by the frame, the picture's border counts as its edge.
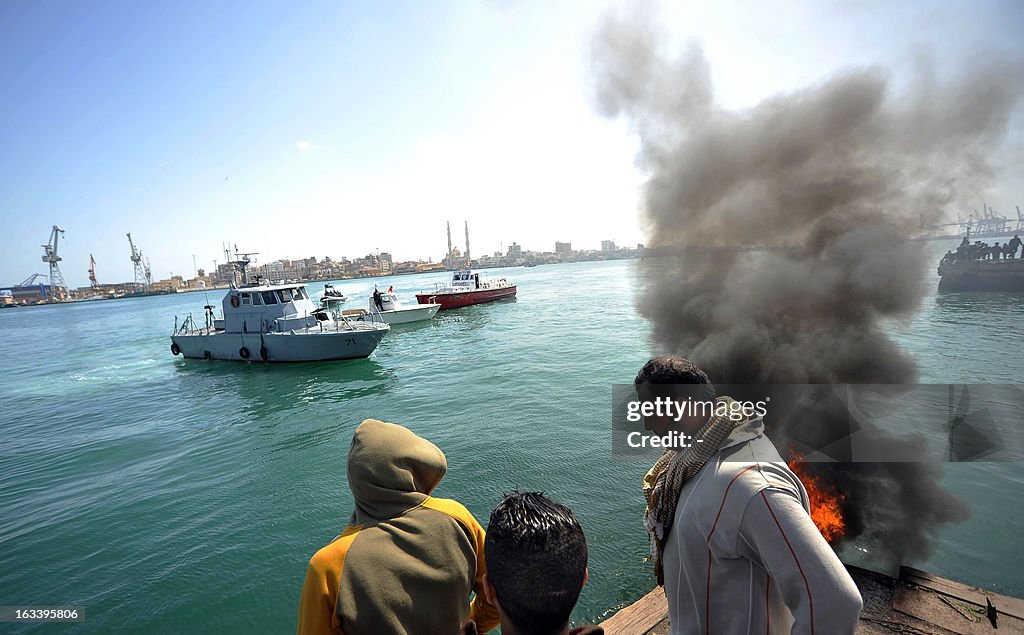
(273, 323)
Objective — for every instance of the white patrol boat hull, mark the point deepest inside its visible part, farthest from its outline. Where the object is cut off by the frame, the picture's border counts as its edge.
(403, 315)
(308, 345)
(410, 314)
(392, 311)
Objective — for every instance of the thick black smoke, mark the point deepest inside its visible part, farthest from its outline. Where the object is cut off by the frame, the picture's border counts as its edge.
(782, 235)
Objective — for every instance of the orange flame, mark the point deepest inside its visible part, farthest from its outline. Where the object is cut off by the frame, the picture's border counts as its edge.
(825, 503)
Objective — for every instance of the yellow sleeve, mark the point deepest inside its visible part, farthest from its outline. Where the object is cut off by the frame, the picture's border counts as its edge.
(317, 615)
(480, 610)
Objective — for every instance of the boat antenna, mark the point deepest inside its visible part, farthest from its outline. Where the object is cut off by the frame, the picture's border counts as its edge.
(242, 260)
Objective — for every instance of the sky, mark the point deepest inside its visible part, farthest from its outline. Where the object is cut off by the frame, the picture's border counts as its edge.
(329, 128)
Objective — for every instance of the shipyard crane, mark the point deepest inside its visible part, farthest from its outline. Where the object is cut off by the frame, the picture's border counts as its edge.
(989, 223)
(57, 285)
(31, 280)
(143, 278)
(92, 272)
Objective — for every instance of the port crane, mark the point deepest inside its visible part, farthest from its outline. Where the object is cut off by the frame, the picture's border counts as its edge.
(143, 277)
(92, 272)
(31, 280)
(58, 287)
(988, 224)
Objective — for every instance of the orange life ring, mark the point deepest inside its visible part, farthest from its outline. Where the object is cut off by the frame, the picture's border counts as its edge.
(234, 301)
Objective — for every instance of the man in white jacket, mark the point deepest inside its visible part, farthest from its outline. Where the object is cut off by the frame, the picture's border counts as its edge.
(732, 537)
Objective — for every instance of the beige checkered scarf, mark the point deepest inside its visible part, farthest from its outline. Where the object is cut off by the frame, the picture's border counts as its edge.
(665, 480)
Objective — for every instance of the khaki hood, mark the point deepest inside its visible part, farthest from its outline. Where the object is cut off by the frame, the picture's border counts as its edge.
(390, 470)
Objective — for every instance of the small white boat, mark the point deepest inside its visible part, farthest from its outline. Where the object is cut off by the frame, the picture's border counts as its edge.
(274, 323)
(332, 298)
(392, 311)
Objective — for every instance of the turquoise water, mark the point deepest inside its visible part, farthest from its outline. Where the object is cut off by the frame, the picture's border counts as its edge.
(171, 495)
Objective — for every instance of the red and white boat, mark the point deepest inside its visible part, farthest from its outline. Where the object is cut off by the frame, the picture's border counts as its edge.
(467, 288)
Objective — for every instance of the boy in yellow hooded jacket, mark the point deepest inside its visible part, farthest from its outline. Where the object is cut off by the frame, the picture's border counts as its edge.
(406, 562)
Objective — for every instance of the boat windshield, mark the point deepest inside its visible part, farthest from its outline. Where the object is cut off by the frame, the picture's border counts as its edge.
(269, 297)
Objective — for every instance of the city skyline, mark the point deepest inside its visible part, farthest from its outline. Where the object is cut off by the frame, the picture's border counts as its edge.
(260, 260)
(337, 129)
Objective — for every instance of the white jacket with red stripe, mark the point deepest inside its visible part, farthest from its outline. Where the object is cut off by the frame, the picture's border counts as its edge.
(744, 556)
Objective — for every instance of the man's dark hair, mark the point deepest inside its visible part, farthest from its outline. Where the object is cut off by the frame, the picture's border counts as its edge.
(674, 370)
(536, 559)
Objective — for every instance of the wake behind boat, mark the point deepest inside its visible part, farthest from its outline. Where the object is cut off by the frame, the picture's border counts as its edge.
(274, 323)
(468, 288)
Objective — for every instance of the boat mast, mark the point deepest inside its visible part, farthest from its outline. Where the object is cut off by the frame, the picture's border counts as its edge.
(242, 260)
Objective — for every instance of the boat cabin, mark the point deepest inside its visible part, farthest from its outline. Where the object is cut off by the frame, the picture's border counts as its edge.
(267, 308)
(388, 302)
(466, 280)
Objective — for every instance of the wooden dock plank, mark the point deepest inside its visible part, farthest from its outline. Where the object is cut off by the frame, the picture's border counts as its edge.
(926, 606)
(640, 617)
(1006, 605)
(912, 603)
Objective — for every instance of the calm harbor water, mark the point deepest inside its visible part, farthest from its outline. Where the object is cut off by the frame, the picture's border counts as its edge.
(171, 495)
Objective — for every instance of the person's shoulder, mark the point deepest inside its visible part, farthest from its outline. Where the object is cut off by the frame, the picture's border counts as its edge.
(458, 512)
(736, 486)
(446, 505)
(333, 553)
(452, 508)
(745, 479)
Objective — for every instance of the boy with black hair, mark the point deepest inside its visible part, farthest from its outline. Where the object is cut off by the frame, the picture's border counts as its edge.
(536, 566)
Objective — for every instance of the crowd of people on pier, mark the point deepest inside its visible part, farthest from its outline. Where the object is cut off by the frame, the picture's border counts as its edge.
(978, 250)
(729, 525)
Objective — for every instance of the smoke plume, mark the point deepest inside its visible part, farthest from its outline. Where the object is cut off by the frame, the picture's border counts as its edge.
(783, 234)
